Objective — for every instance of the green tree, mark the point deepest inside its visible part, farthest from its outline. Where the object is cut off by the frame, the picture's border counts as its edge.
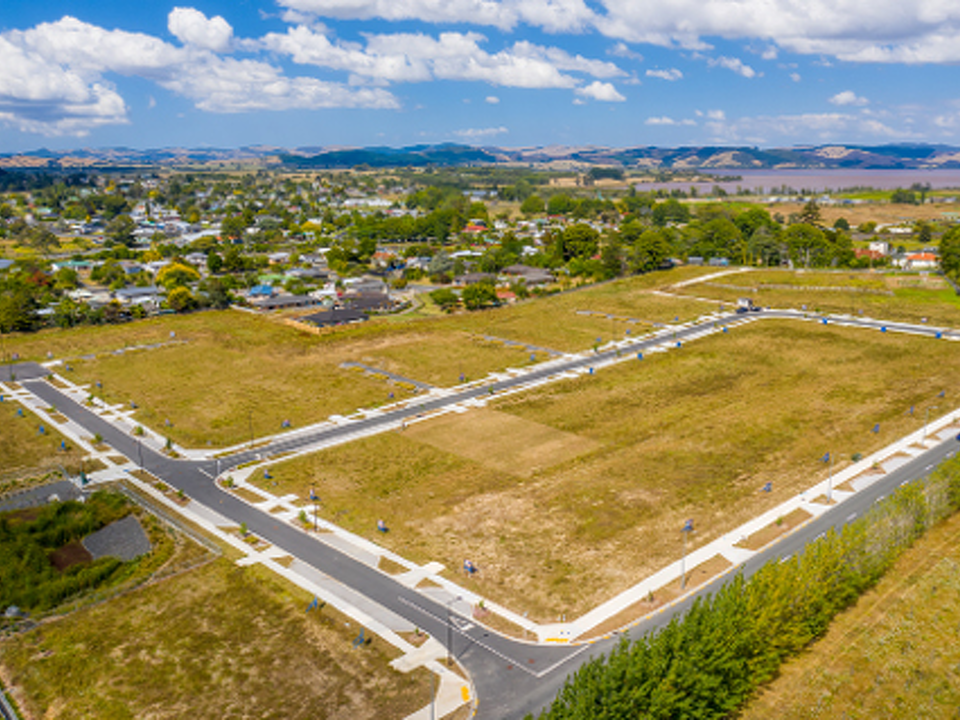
(579, 241)
(445, 298)
(806, 243)
(176, 275)
(479, 295)
(810, 215)
(649, 251)
(533, 205)
(233, 227)
(180, 299)
(120, 230)
(214, 262)
(950, 252)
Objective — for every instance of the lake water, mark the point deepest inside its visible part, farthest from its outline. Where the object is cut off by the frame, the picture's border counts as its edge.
(771, 182)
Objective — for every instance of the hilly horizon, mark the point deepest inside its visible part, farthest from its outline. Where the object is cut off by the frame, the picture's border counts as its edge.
(640, 158)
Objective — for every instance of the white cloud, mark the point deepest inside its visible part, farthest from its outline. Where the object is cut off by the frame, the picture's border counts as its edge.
(551, 15)
(408, 57)
(769, 53)
(716, 115)
(54, 78)
(669, 121)
(848, 97)
(602, 91)
(920, 31)
(807, 127)
(480, 133)
(670, 74)
(734, 64)
(795, 76)
(621, 50)
(192, 27)
(492, 100)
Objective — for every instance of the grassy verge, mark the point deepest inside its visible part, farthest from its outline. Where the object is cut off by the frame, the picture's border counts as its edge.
(219, 641)
(891, 655)
(584, 473)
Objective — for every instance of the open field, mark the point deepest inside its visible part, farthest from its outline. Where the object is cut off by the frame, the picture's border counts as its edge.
(880, 212)
(220, 377)
(23, 451)
(219, 641)
(891, 296)
(237, 373)
(622, 457)
(894, 654)
(554, 322)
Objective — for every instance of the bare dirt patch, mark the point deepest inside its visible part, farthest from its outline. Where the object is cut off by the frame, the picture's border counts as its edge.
(764, 536)
(72, 554)
(502, 442)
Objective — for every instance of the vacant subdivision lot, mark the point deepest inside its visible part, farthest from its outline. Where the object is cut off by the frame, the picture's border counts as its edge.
(891, 296)
(894, 654)
(570, 493)
(219, 641)
(221, 377)
(24, 451)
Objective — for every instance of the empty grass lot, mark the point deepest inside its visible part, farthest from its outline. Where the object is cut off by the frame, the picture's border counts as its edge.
(587, 496)
(894, 654)
(23, 451)
(222, 376)
(235, 370)
(890, 296)
(219, 641)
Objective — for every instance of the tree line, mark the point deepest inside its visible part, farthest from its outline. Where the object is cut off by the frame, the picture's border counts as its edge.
(707, 663)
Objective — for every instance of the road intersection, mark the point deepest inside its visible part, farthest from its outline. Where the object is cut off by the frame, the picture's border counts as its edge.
(510, 677)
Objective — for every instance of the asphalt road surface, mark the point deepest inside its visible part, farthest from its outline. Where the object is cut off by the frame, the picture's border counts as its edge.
(511, 677)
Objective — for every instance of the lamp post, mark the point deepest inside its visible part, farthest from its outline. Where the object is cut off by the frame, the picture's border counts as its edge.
(830, 478)
(315, 499)
(926, 418)
(687, 529)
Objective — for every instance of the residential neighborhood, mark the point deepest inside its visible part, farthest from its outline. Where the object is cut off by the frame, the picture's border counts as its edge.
(105, 248)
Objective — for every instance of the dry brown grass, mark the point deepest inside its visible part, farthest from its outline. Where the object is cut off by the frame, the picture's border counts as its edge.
(24, 451)
(390, 567)
(694, 433)
(780, 527)
(910, 298)
(502, 442)
(220, 641)
(893, 655)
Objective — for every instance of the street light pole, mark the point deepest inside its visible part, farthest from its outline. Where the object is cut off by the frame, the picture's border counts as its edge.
(687, 529)
(926, 418)
(830, 480)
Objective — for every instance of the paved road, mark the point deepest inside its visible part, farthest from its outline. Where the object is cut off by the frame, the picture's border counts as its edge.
(511, 677)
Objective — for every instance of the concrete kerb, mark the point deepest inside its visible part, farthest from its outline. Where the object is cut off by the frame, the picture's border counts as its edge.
(725, 545)
(269, 560)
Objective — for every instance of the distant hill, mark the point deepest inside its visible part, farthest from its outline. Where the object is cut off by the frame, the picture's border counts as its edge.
(652, 158)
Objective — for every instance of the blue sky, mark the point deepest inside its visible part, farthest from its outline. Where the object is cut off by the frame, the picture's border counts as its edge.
(292, 73)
